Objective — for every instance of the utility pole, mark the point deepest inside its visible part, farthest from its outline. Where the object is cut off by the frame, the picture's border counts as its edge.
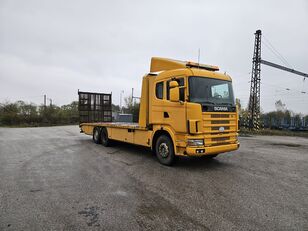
(264, 62)
(132, 95)
(198, 57)
(45, 101)
(254, 98)
(133, 104)
(122, 92)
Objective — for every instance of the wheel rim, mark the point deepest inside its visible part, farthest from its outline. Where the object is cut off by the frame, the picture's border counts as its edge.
(96, 134)
(104, 138)
(163, 150)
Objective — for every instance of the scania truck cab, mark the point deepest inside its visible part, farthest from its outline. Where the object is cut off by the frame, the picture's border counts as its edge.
(186, 109)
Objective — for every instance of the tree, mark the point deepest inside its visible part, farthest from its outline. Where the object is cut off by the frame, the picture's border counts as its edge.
(115, 107)
(22, 113)
(128, 102)
(27, 112)
(132, 108)
(9, 113)
(279, 105)
(238, 104)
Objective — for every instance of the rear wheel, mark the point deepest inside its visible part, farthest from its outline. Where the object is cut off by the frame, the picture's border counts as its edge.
(164, 150)
(104, 137)
(96, 135)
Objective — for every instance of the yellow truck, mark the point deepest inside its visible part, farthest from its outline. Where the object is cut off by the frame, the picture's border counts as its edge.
(186, 109)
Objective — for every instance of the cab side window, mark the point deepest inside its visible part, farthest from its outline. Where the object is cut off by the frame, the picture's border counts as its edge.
(159, 90)
(182, 90)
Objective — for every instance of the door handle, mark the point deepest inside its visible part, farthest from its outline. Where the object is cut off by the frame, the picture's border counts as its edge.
(166, 115)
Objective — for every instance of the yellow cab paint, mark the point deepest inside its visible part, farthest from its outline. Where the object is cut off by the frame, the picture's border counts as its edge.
(181, 121)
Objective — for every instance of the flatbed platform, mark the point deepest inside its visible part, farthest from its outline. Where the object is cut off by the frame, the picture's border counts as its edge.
(115, 125)
(120, 131)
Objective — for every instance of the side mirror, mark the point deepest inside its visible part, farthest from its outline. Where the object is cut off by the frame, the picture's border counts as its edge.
(174, 91)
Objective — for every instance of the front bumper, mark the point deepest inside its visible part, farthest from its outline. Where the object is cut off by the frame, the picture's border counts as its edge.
(212, 150)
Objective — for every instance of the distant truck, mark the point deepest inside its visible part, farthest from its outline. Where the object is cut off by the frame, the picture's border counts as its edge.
(186, 109)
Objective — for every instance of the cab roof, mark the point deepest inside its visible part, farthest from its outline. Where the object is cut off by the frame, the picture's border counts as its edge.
(165, 67)
(163, 64)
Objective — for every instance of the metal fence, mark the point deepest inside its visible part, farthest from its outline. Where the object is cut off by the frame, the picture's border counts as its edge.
(282, 122)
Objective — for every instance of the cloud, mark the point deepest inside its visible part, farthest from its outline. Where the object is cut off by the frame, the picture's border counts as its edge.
(57, 47)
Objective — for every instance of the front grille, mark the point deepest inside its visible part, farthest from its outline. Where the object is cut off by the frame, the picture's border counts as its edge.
(221, 138)
(219, 128)
(220, 122)
(222, 143)
(219, 116)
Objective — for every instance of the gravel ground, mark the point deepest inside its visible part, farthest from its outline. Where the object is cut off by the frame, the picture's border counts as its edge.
(57, 179)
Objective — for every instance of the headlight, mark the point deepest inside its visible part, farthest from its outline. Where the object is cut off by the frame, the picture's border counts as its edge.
(195, 142)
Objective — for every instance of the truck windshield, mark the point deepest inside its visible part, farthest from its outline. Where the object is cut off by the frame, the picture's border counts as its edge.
(210, 91)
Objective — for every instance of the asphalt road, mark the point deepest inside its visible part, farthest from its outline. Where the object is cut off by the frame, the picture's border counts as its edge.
(57, 179)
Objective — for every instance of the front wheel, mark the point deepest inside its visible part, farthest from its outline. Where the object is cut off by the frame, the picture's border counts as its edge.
(164, 150)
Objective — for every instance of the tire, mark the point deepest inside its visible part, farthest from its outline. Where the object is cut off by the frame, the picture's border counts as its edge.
(96, 135)
(104, 138)
(164, 150)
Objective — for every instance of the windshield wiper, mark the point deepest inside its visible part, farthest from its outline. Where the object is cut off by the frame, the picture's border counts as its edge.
(230, 104)
(207, 102)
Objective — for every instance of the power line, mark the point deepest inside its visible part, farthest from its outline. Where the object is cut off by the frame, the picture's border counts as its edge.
(285, 88)
(275, 50)
(274, 53)
(282, 96)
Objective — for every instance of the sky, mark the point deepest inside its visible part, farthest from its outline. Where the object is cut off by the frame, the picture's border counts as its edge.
(57, 47)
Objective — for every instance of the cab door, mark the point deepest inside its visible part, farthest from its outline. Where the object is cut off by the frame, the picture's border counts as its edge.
(174, 113)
